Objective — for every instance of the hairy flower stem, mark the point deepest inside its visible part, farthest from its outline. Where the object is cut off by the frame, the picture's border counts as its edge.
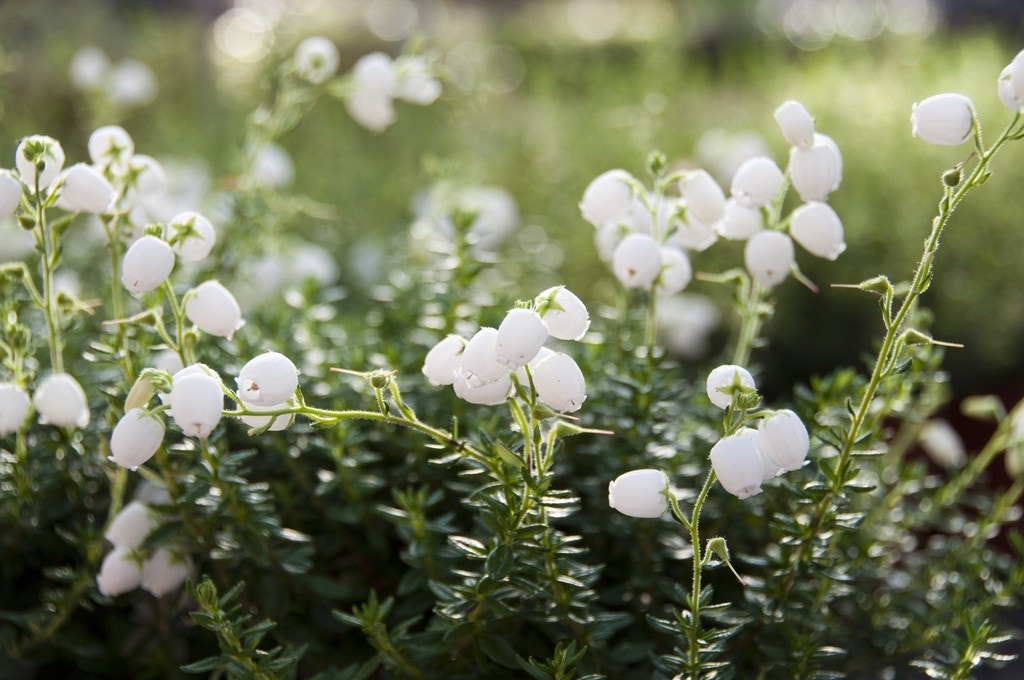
(695, 586)
(752, 306)
(46, 241)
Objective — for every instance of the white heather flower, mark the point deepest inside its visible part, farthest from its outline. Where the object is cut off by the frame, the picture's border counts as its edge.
(769, 256)
(784, 439)
(10, 193)
(131, 83)
(135, 438)
(944, 119)
(480, 365)
(817, 228)
(270, 378)
(196, 402)
(796, 124)
(489, 394)
(164, 572)
(560, 383)
(213, 309)
(520, 336)
(85, 190)
(738, 464)
(739, 223)
(14, 405)
(131, 525)
(60, 401)
(44, 151)
(316, 59)
(723, 380)
(543, 354)
(564, 313)
(443, 360)
(119, 573)
(608, 198)
(111, 146)
(147, 264)
(88, 67)
(816, 170)
(756, 182)
(1011, 83)
(191, 236)
(639, 493)
(676, 271)
(705, 200)
(373, 87)
(277, 423)
(371, 109)
(943, 444)
(416, 84)
(692, 234)
(147, 175)
(637, 261)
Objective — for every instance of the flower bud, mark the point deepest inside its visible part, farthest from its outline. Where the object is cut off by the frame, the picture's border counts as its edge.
(756, 182)
(1011, 84)
(564, 314)
(608, 198)
(39, 160)
(316, 60)
(739, 223)
(639, 493)
(738, 464)
(196, 402)
(943, 444)
(213, 309)
(85, 190)
(675, 271)
(817, 170)
(480, 365)
(164, 572)
(486, 394)
(111, 146)
(724, 381)
(10, 193)
(131, 525)
(784, 440)
(119, 573)
(135, 438)
(191, 236)
(796, 124)
(146, 265)
(769, 257)
(705, 200)
(560, 383)
(14, 405)
(268, 379)
(637, 261)
(817, 228)
(60, 401)
(520, 336)
(443, 360)
(943, 119)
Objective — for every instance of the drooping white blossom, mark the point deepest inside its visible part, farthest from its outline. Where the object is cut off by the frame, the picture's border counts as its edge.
(705, 200)
(639, 493)
(560, 383)
(135, 438)
(796, 124)
(164, 572)
(14, 406)
(944, 119)
(47, 160)
(520, 336)
(486, 394)
(120, 572)
(739, 223)
(61, 401)
(213, 309)
(816, 170)
(146, 264)
(676, 271)
(414, 81)
(85, 190)
(443, 360)
(191, 236)
(111, 146)
(692, 234)
(738, 464)
(784, 439)
(374, 85)
(1011, 83)
(480, 365)
(88, 67)
(943, 443)
(268, 379)
(769, 257)
(637, 261)
(10, 193)
(564, 313)
(724, 380)
(608, 198)
(131, 525)
(817, 228)
(130, 83)
(756, 182)
(316, 59)
(196, 401)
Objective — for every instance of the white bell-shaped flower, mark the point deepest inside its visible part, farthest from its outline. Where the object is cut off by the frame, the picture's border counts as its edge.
(268, 379)
(943, 444)
(608, 198)
(769, 257)
(146, 265)
(88, 68)
(560, 383)
(272, 423)
(14, 406)
(191, 235)
(639, 493)
(784, 439)
(480, 365)
(739, 223)
(164, 572)
(372, 109)
(756, 182)
(119, 573)
(85, 190)
(10, 193)
(817, 228)
(724, 380)
(521, 334)
(131, 525)
(944, 119)
(443, 360)
(213, 309)
(738, 464)
(135, 438)
(796, 124)
(39, 160)
(61, 401)
(692, 234)
(676, 271)
(131, 83)
(637, 261)
(111, 146)
(316, 59)
(415, 83)
(816, 170)
(705, 200)
(487, 394)
(1011, 84)
(196, 402)
(147, 175)
(564, 313)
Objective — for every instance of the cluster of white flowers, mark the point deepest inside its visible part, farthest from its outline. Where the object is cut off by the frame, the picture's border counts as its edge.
(127, 83)
(58, 399)
(481, 369)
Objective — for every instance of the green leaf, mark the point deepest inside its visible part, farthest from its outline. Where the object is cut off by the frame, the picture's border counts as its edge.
(500, 562)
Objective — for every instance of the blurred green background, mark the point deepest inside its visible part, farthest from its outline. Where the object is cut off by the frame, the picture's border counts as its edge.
(544, 96)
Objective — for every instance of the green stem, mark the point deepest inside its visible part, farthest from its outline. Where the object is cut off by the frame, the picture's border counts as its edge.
(47, 242)
(698, 566)
(750, 325)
